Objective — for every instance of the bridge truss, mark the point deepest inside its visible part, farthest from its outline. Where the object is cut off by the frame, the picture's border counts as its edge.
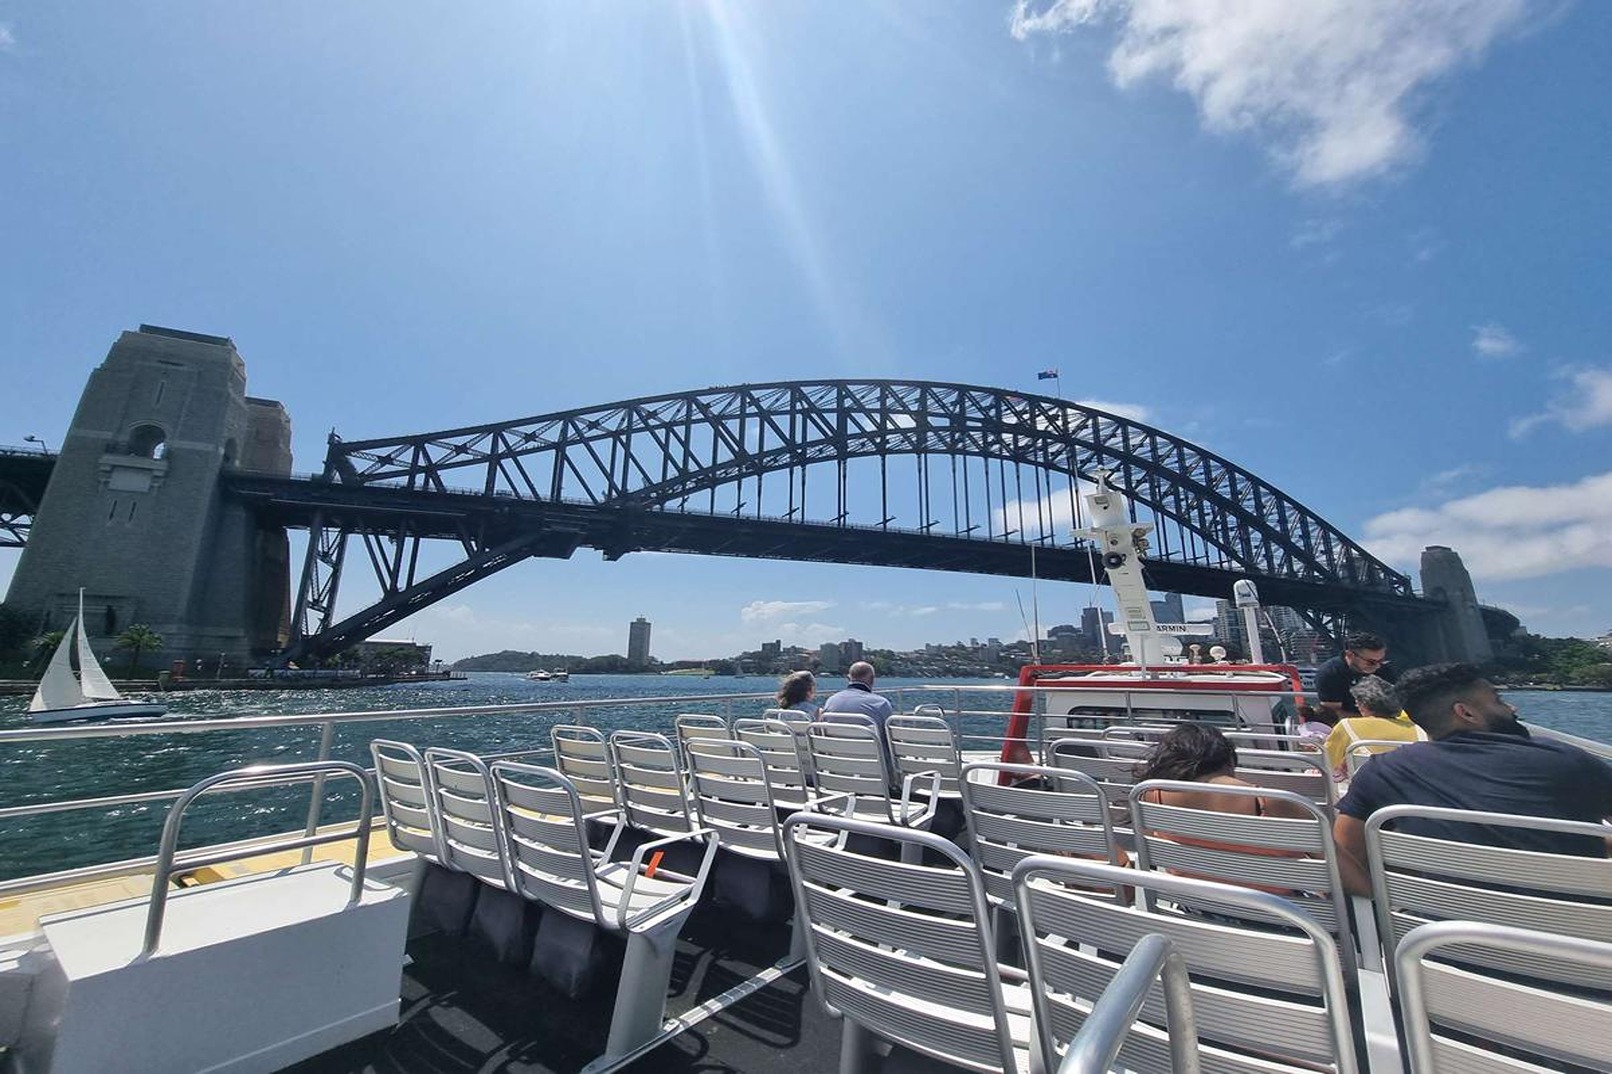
(945, 476)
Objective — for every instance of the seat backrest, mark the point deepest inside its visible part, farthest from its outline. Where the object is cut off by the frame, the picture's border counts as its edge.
(1363, 750)
(1416, 879)
(472, 841)
(1291, 857)
(1035, 809)
(1263, 1001)
(546, 839)
(1459, 1018)
(1111, 762)
(650, 783)
(924, 743)
(583, 757)
(1302, 772)
(848, 762)
(903, 950)
(781, 751)
(403, 778)
(733, 795)
(690, 726)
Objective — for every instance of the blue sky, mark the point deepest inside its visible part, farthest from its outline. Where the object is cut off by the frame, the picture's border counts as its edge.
(1360, 247)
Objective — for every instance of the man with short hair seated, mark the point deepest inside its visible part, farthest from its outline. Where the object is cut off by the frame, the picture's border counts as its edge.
(1480, 758)
(859, 699)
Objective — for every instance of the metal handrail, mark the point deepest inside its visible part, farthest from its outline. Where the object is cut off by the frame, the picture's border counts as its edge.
(1096, 1046)
(256, 776)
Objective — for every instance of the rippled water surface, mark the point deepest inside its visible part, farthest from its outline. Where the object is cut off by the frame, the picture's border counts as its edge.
(40, 772)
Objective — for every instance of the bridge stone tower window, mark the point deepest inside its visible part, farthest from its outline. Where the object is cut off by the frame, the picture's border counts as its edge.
(136, 514)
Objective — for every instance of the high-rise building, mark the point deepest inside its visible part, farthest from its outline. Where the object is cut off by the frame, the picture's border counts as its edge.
(1094, 626)
(638, 642)
(829, 656)
(1168, 610)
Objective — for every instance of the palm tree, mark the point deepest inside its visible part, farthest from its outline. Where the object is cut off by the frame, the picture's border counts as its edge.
(138, 639)
(45, 645)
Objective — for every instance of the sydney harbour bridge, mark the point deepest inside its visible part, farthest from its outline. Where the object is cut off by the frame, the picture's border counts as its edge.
(935, 476)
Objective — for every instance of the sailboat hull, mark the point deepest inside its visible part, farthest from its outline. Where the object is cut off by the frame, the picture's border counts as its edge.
(103, 710)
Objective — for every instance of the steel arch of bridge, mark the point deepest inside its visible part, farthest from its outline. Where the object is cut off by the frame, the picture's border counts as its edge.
(875, 458)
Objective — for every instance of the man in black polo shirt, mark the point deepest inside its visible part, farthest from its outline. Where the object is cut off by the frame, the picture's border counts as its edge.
(1479, 758)
(1363, 654)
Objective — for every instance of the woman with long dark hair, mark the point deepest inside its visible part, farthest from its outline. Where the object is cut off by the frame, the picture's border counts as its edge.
(1199, 753)
(796, 691)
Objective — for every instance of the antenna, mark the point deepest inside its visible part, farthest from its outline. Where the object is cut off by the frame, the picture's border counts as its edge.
(1035, 645)
(1035, 608)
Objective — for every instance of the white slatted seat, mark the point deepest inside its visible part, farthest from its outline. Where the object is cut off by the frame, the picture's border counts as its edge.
(1259, 740)
(733, 797)
(1263, 1002)
(904, 952)
(923, 743)
(582, 754)
(690, 726)
(1416, 879)
(781, 751)
(1296, 855)
(1111, 762)
(1040, 810)
(1458, 1018)
(462, 795)
(403, 779)
(1363, 750)
(650, 783)
(1302, 772)
(542, 819)
(853, 780)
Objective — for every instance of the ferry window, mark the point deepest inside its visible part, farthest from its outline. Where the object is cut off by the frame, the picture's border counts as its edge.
(113, 512)
(133, 505)
(162, 386)
(111, 620)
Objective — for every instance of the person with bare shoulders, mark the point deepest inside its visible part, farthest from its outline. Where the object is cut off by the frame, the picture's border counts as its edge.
(1199, 753)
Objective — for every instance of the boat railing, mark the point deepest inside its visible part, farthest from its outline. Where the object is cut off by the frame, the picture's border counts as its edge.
(256, 777)
(570, 711)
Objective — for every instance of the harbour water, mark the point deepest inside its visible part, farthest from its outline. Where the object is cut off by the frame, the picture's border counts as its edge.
(43, 772)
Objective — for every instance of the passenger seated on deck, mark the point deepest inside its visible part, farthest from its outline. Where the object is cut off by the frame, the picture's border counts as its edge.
(1199, 753)
(1380, 719)
(796, 692)
(1313, 723)
(1479, 757)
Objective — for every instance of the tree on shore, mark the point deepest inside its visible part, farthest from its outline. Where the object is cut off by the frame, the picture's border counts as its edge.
(138, 639)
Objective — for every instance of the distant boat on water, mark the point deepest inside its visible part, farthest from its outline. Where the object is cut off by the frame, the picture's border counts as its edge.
(89, 695)
(548, 676)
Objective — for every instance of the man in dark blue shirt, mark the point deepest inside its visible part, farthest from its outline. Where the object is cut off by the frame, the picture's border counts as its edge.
(1363, 654)
(1479, 758)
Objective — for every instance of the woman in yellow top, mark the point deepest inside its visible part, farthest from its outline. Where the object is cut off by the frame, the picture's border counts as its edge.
(1380, 720)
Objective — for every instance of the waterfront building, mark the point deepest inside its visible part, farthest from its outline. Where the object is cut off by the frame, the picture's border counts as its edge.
(829, 656)
(1169, 610)
(638, 642)
(1094, 626)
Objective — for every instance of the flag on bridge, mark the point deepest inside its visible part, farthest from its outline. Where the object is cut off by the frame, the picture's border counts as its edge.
(1047, 374)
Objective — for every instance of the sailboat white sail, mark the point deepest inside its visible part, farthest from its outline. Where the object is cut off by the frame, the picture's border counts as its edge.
(89, 695)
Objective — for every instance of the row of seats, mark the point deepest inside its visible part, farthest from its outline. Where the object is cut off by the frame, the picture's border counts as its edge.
(905, 951)
(702, 787)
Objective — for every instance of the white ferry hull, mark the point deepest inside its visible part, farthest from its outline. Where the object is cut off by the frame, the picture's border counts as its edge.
(106, 710)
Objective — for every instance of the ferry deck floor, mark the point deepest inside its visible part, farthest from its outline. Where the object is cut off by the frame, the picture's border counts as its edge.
(464, 1010)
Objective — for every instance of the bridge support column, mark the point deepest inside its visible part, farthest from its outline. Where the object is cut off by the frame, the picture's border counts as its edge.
(135, 515)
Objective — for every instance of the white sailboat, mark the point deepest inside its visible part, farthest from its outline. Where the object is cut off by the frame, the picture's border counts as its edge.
(89, 695)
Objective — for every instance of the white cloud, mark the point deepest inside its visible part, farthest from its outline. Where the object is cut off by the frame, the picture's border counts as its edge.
(8, 40)
(765, 611)
(810, 635)
(1511, 532)
(978, 606)
(1134, 411)
(1329, 83)
(1318, 232)
(1495, 341)
(1586, 404)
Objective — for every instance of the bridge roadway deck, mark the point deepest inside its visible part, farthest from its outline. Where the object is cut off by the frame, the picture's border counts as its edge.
(558, 528)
